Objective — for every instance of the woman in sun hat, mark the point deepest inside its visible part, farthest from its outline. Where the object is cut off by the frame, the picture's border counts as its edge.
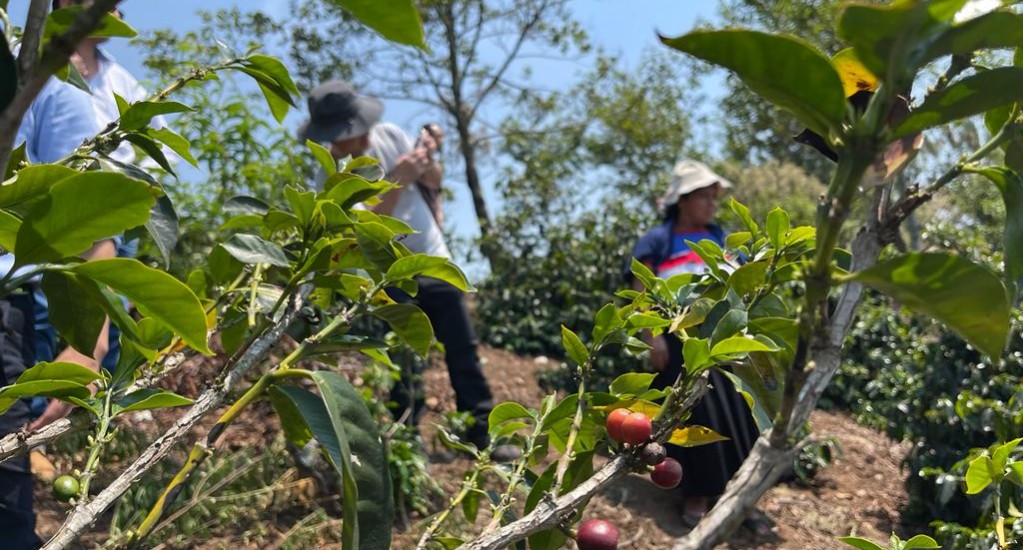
(689, 210)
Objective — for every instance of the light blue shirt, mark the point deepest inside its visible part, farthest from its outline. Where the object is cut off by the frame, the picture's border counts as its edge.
(57, 122)
(111, 78)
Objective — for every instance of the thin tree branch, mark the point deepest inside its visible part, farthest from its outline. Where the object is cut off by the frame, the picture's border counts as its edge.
(32, 35)
(550, 512)
(86, 515)
(14, 444)
(524, 33)
(55, 54)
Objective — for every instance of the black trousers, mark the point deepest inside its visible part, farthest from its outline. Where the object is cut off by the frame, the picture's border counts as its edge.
(17, 519)
(445, 306)
(708, 468)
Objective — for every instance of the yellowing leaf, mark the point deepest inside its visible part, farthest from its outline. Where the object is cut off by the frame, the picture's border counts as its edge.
(855, 77)
(635, 405)
(694, 436)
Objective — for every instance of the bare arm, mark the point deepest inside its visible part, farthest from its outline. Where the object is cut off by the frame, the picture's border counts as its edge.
(410, 168)
(59, 409)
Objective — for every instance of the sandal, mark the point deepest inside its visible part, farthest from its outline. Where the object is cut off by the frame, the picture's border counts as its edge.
(690, 519)
(758, 523)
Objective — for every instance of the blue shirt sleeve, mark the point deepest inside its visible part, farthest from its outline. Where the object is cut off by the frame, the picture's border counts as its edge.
(648, 250)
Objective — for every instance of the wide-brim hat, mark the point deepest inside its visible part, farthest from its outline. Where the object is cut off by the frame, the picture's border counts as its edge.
(337, 112)
(689, 176)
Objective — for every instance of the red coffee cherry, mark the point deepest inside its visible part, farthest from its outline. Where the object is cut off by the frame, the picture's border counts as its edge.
(597, 534)
(614, 423)
(636, 428)
(667, 474)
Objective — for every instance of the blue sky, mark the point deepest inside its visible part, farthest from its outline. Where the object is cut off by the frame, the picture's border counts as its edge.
(623, 27)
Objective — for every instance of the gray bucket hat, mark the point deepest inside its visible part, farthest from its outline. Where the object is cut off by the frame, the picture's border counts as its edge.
(337, 112)
(688, 176)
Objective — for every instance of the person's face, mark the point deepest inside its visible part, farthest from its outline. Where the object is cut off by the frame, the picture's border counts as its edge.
(93, 41)
(352, 147)
(700, 207)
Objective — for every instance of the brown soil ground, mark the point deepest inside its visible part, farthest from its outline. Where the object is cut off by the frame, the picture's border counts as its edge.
(860, 493)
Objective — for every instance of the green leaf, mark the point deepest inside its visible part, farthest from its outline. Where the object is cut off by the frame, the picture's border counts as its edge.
(784, 70)
(409, 323)
(294, 425)
(739, 345)
(996, 29)
(1015, 473)
(733, 322)
(777, 227)
(696, 354)
(9, 226)
(250, 249)
(68, 372)
(149, 398)
(15, 161)
(505, 412)
(920, 541)
(646, 320)
(140, 114)
(375, 241)
(323, 156)
(60, 20)
(744, 215)
(471, 506)
(33, 182)
(397, 20)
(162, 226)
(79, 211)
(979, 475)
(968, 298)
(174, 142)
(273, 68)
(632, 383)
(8, 75)
(240, 204)
(77, 319)
(606, 321)
(970, 96)
(737, 239)
(749, 278)
(278, 98)
(862, 544)
(61, 380)
(573, 346)
(1011, 186)
(155, 293)
(411, 266)
(1001, 453)
(345, 429)
(152, 149)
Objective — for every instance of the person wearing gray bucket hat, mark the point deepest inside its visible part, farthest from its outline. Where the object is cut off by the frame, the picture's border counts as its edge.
(350, 124)
(337, 112)
(689, 209)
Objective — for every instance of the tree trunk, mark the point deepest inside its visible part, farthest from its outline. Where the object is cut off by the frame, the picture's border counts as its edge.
(766, 463)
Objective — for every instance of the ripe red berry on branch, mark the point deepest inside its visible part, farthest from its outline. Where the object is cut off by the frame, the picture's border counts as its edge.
(614, 423)
(667, 474)
(597, 534)
(636, 429)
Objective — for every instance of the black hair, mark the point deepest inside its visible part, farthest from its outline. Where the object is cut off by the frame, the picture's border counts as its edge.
(671, 212)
